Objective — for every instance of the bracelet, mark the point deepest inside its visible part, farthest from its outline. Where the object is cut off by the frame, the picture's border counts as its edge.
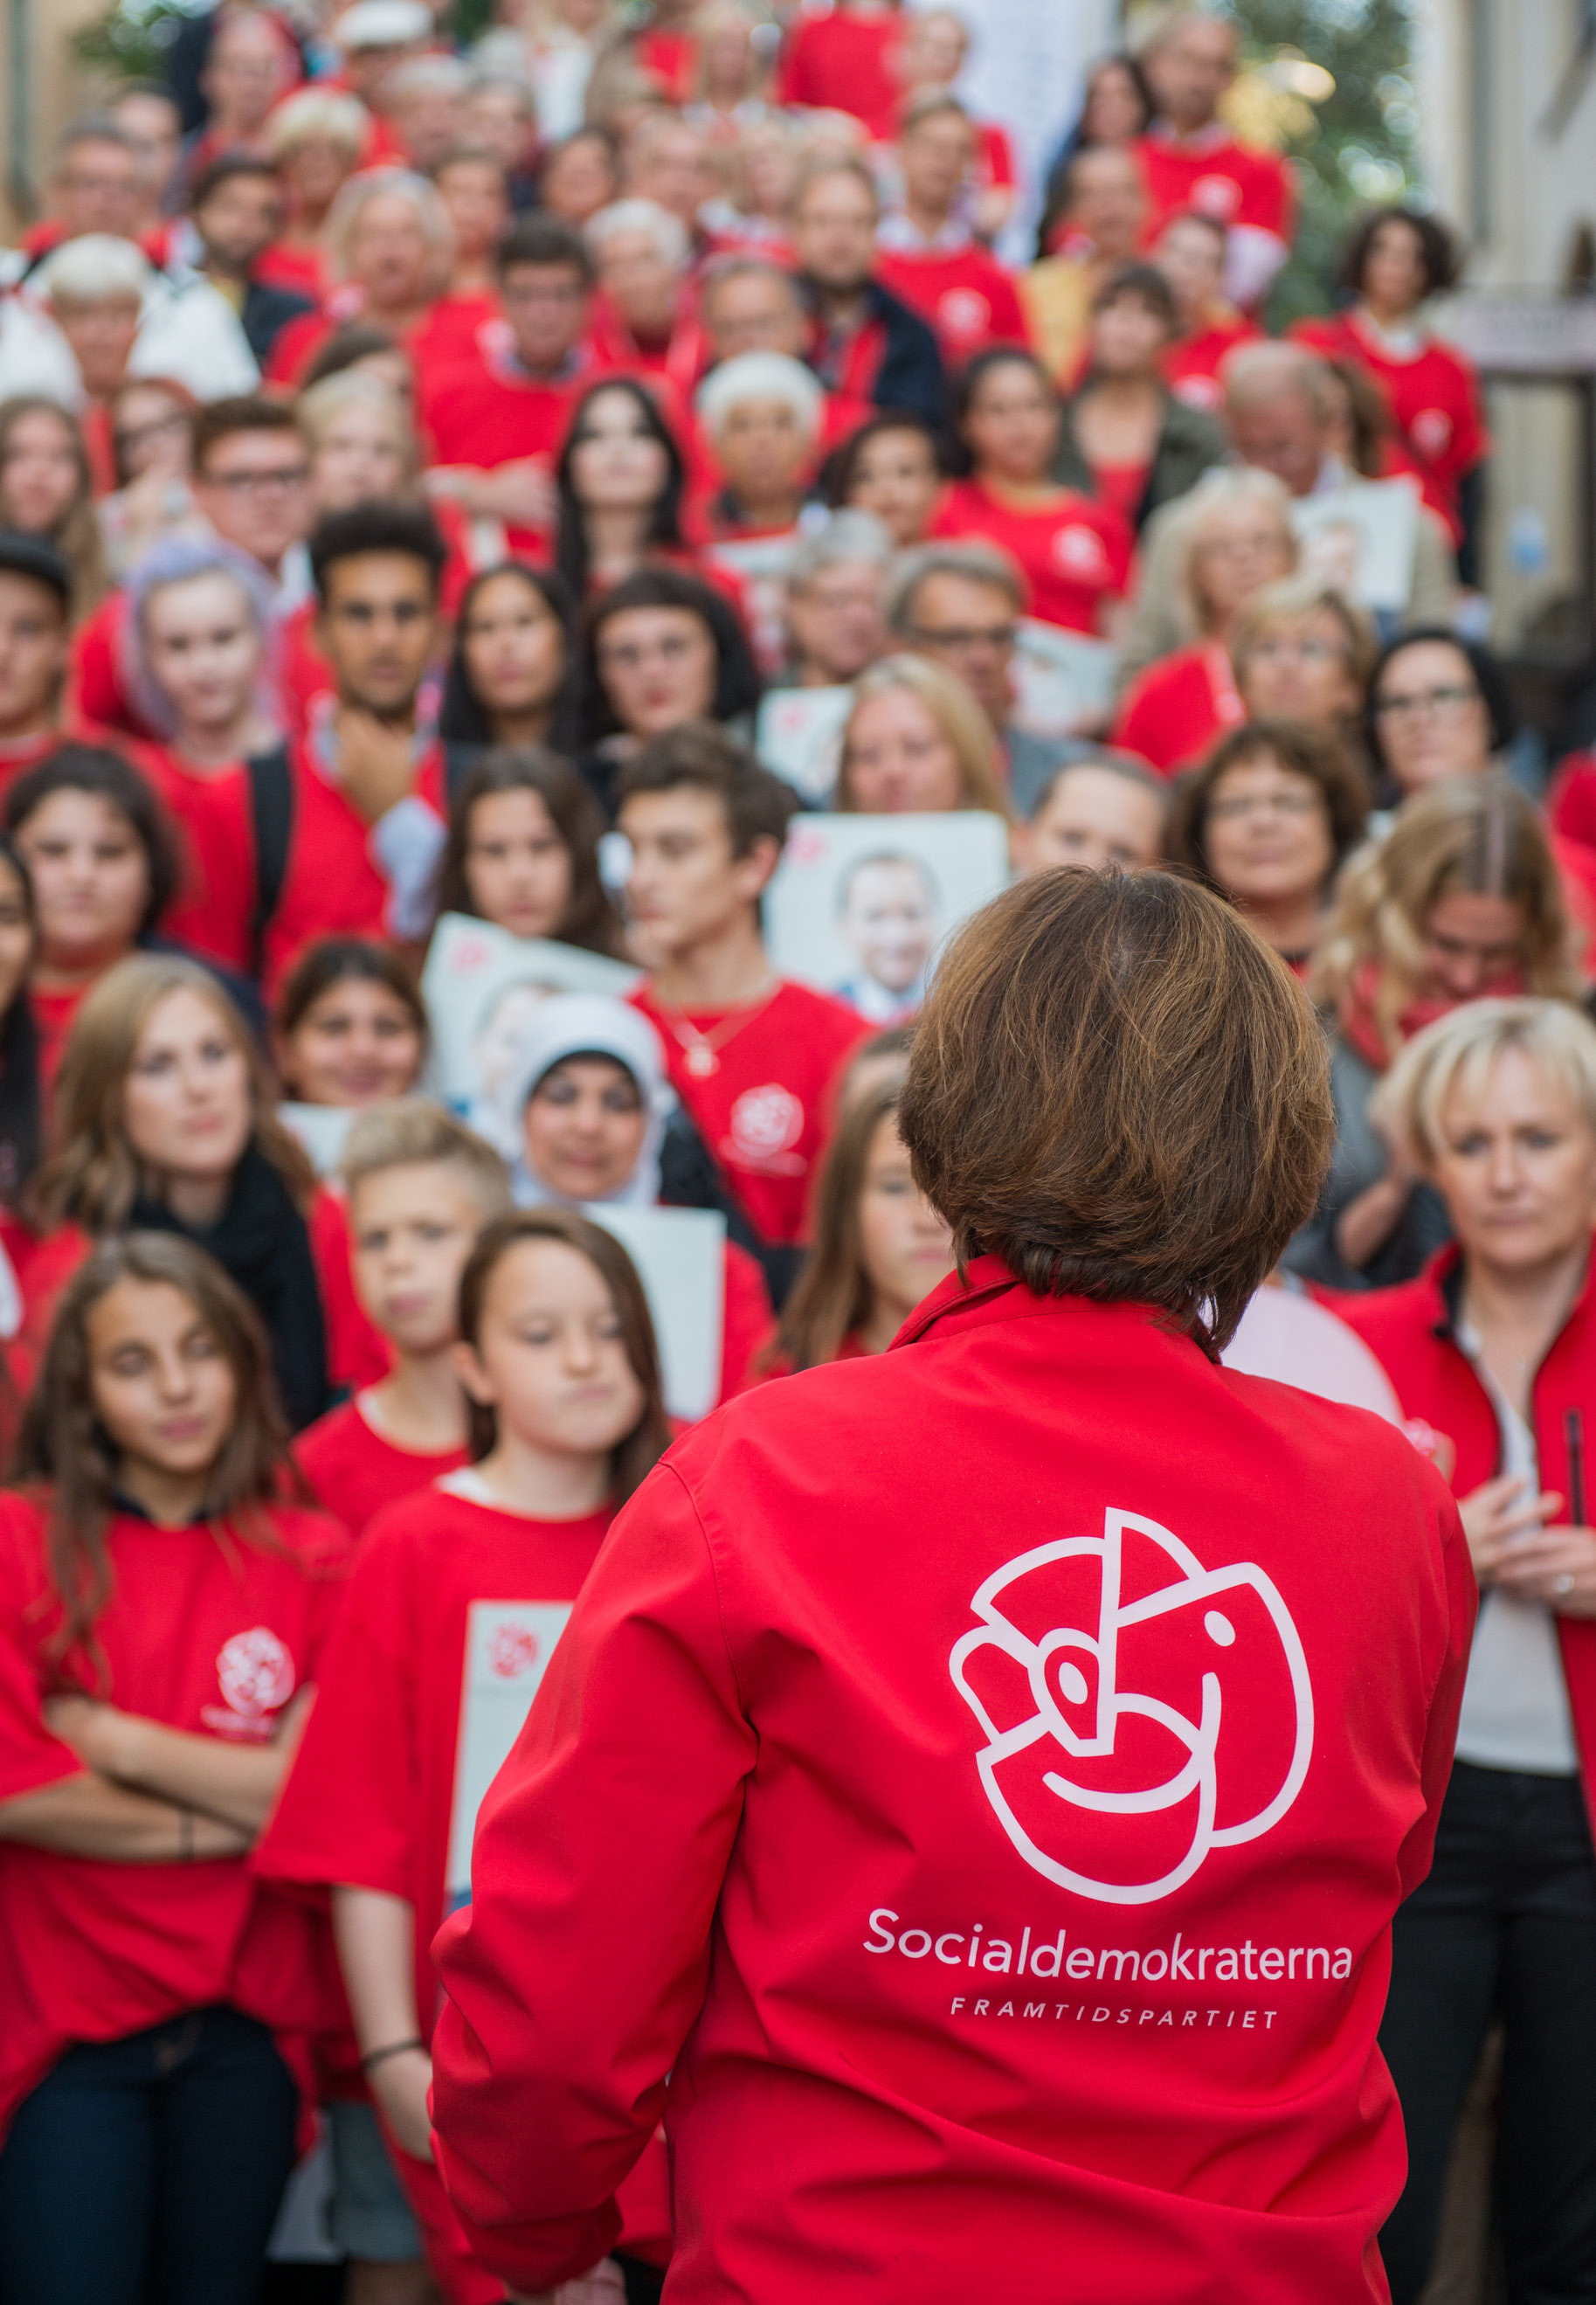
(185, 1836)
(393, 2049)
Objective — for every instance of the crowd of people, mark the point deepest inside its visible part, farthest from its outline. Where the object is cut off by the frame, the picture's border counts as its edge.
(463, 505)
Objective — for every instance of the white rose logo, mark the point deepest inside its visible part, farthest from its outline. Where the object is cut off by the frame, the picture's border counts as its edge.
(1140, 1710)
(1432, 431)
(1217, 196)
(963, 315)
(256, 1673)
(766, 1121)
(1079, 552)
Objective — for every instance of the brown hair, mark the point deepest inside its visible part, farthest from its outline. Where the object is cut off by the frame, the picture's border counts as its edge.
(245, 411)
(1311, 754)
(65, 1449)
(832, 1294)
(637, 1453)
(77, 536)
(590, 919)
(92, 1176)
(1119, 1091)
(413, 1132)
(1470, 836)
(758, 805)
(332, 961)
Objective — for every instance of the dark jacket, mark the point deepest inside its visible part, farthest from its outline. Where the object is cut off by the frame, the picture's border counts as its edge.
(894, 362)
(265, 312)
(1189, 444)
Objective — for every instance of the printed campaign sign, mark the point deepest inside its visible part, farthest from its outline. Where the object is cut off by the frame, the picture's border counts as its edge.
(507, 1647)
(1064, 682)
(860, 905)
(1361, 540)
(320, 1130)
(680, 1256)
(480, 985)
(799, 736)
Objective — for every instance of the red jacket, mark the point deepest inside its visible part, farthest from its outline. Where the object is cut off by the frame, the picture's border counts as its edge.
(812, 1813)
(1411, 1332)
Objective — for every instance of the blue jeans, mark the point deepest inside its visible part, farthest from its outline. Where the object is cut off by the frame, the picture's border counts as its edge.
(147, 2171)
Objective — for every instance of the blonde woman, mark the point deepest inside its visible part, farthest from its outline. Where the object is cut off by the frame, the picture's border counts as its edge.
(916, 743)
(1233, 536)
(318, 138)
(1495, 1346)
(1301, 651)
(361, 441)
(1461, 901)
(391, 250)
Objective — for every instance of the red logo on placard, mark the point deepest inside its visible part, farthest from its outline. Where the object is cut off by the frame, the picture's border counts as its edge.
(512, 1651)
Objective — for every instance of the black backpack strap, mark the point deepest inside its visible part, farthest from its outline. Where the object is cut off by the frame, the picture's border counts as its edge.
(271, 808)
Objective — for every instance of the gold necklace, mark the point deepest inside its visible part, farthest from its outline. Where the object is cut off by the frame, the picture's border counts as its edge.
(701, 1051)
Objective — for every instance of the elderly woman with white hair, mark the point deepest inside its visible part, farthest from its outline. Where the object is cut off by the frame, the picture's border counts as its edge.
(587, 1118)
(761, 416)
(95, 311)
(392, 249)
(1232, 537)
(1493, 1351)
(642, 315)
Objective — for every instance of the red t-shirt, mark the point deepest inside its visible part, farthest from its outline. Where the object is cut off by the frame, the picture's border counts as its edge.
(374, 1798)
(1434, 398)
(672, 57)
(765, 1110)
(1019, 1787)
(1076, 554)
(1178, 707)
(445, 331)
(95, 685)
(354, 1470)
(1192, 364)
(1218, 178)
(964, 292)
(331, 886)
(1123, 486)
(842, 63)
(485, 414)
(214, 911)
(210, 1638)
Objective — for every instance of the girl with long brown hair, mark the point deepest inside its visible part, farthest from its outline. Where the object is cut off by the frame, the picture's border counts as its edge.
(164, 1121)
(460, 1594)
(523, 851)
(878, 1248)
(163, 1618)
(47, 489)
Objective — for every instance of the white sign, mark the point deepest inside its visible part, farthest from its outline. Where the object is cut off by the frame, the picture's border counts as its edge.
(680, 1256)
(1064, 682)
(1361, 540)
(507, 1647)
(480, 985)
(860, 906)
(799, 736)
(321, 1130)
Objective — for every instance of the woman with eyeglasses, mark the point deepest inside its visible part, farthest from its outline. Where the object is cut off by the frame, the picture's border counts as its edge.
(1300, 651)
(1462, 901)
(661, 649)
(1438, 707)
(1268, 822)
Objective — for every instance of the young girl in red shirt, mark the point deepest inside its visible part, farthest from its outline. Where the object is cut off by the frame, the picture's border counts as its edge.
(460, 1595)
(162, 1617)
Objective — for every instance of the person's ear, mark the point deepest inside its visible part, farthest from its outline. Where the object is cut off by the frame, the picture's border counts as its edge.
(475, 1380)
(754, 869)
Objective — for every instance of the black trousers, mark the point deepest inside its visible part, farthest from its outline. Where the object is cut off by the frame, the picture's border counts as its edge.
(1504, 1928)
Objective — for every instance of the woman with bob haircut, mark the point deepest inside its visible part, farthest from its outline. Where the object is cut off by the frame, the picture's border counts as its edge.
(1051, 1663)
(1268, 822)
(1437, 707)
(916, 741)
(351, 1028)
(878, 1248)
(165, 1122)
(660, 649)
(166, 1606)
(1494, 1348)
(1459, 902)
(523, 852)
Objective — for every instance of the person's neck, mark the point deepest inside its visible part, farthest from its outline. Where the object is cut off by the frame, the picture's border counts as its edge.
(720, 972)
(771, 513)
(882, 1322)
(73, 974)
(25, 731)
(196, 1202)
(1390, 318)
(530, 728)
(929, 218)
(1291, 925)
(1187, 132)
(617, 538)
(1124, 395)
(540, 370)
(214, 747)
(843, 310)
(399, 723)
(398, 318)
(170, 1500)
(548, 1484)
(471, 277)
(1517, 1314)
(1008, 489)
(419, 1403)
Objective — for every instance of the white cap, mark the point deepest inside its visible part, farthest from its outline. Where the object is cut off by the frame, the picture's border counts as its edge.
(383, 24)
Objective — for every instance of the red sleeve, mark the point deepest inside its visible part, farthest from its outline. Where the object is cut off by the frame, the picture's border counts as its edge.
(1571, 804)
(748, 1321)
(30, 1756)
(999, 154)
(93, 681)
(357, 1352)
(347, 1812)
(1445, 1698)
(295, 346)
(574, 1975)
(1009, 323)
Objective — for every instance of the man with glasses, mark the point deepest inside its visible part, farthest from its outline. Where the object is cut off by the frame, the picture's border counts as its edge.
(496, 419)
(961, 604)
(252, 481)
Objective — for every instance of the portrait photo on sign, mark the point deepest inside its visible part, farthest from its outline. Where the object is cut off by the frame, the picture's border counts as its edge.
(480, 985)
(860, 906)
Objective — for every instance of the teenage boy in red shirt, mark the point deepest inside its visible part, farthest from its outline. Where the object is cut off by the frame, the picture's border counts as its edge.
(930, 256)
(366, 802)
(421, 1186)
(1192, 159)
(751, 1056)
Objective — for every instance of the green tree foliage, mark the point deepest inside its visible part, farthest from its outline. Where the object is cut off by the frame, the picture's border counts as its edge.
(1354, 147)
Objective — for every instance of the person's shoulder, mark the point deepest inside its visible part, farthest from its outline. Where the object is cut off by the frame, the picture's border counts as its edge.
(818, 1012)
(1388, 1317)
(1193, 429)
(23, 1514)
(1350, 1452)
(321, 1445)
(318, 1545)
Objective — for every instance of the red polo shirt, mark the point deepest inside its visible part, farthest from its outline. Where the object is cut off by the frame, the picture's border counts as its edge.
(964, 292)
(1076, 553)
(981, 1776)
(1434, 398)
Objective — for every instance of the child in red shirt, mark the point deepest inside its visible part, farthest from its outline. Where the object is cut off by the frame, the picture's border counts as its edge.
(421, 1186)
(751, 1057)
(162, 1618)
(458, 1597)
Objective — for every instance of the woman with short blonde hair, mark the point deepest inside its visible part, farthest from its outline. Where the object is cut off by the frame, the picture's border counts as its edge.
(916, 741)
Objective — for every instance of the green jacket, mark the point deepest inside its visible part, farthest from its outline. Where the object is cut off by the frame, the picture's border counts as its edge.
(1189, 444)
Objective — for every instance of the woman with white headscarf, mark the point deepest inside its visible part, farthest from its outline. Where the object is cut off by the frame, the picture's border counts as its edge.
(587, 1118)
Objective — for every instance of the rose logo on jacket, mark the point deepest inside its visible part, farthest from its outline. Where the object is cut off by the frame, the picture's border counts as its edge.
(1140, 1710)
(255, 1674)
